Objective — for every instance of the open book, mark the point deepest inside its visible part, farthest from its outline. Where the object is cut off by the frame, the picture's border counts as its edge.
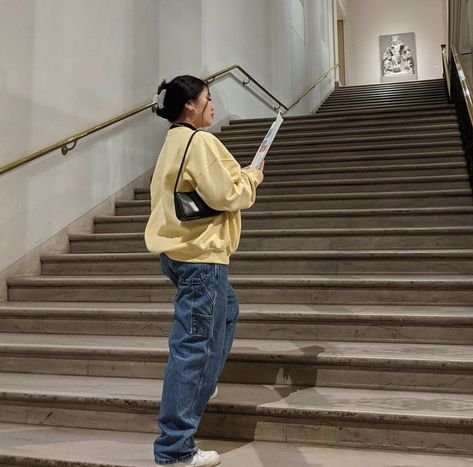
(267, 141)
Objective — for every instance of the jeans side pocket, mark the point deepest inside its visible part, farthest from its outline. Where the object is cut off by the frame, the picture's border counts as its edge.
(202, 312)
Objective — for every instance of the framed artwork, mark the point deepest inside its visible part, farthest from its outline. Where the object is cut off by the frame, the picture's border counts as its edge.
(398, 57)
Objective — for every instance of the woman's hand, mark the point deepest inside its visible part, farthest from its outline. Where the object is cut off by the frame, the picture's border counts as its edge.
(258, 167)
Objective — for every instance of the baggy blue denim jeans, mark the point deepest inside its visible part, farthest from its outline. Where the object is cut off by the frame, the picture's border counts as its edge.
(205, 316)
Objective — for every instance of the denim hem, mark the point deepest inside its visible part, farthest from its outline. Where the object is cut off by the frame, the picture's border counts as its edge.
(179, 459)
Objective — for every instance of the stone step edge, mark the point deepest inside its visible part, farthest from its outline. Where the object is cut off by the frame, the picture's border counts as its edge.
(291, 134)
(459, 210)
(425, 138)
(350, 158)
(294, 232)
(385, 110)
(452, 316)
(247, 408)
(374, 196)
(259, 255)
(358, 150)
(324, 358)
(461, 166)
(81, 449)
(343, 195)
(413, 281)
(366, 181)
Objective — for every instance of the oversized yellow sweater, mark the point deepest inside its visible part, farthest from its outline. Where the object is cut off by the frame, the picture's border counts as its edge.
(218, 178)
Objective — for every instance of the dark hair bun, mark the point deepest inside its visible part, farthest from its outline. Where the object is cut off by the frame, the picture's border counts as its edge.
(177, 92)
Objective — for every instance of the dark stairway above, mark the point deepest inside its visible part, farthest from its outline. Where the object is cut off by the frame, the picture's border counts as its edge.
(355, 274)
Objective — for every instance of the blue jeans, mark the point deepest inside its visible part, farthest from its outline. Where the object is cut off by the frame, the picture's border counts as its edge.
(205, 317)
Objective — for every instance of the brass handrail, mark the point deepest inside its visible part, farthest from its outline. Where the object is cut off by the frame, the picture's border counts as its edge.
(211, 78)
(298, 99)
(446, 69)
(465, 84)
(70, 143)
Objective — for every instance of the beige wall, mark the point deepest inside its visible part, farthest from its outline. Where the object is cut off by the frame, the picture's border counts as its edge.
(262, 36)
(369, 19)
(66, 65)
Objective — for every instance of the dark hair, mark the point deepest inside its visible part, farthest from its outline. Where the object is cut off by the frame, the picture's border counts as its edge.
(178, 91)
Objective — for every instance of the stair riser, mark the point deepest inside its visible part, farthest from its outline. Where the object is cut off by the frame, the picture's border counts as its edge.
(151, 266)
(348, 104)
(379, 221)
(319, 294)
(394, 107)
(363, 187)
(361, 119)
(333, 154)
(319, 222)
(292, 175)
(318, 124)
(386, 113)
(389, 100)
(336, 204)
(280, 163)
(266, 372)
(363, 434)
(423, 116)
(355, 144)
(353, 149)
(299, 242)
(434, 96)
(406, 131)
(347, 331)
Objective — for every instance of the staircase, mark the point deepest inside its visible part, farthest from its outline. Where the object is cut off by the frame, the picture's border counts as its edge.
(355, 339)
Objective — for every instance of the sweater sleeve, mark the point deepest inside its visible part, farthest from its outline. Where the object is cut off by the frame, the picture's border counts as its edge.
(218, 177)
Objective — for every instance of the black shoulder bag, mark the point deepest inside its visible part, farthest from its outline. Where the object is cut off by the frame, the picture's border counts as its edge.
(189, 205)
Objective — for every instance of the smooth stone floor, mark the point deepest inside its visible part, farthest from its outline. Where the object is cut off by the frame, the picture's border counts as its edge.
(135, 449)
(289, 400)
(293, 350)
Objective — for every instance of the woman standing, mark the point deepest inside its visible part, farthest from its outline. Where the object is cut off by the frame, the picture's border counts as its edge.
(195, 256)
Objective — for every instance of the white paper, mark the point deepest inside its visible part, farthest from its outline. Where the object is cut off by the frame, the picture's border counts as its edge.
(267, 141)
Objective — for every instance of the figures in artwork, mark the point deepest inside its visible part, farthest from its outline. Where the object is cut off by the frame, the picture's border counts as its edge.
(398, 58)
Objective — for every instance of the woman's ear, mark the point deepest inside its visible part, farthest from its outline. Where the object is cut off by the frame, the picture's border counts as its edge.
(189, 106)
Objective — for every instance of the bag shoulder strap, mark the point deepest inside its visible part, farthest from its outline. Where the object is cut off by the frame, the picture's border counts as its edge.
(183, 159)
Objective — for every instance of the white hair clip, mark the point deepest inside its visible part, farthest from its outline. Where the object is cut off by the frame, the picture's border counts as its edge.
(159, 98)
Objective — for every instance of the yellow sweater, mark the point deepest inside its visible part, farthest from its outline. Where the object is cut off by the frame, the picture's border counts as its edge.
(215, 174)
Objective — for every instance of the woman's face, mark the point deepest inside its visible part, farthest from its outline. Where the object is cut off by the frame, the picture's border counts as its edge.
(205, 110)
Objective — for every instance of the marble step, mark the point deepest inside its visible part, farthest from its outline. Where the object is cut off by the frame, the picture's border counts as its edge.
(353, 148)
(442, 262)
(393, 111)
(316, 173)
(298, 239)
(375, 104)
(395, 107)
(292, 134)
(305, 160)
(409, 324)
(350, 172)
(303, 289)
(49, 446)
(352, 121)
(425, 139)
(323, 218)
(390, 91)
(353, 151)
(282, 413)
(437, 95)
(314, 363)
(406, 199)
(365, 185)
